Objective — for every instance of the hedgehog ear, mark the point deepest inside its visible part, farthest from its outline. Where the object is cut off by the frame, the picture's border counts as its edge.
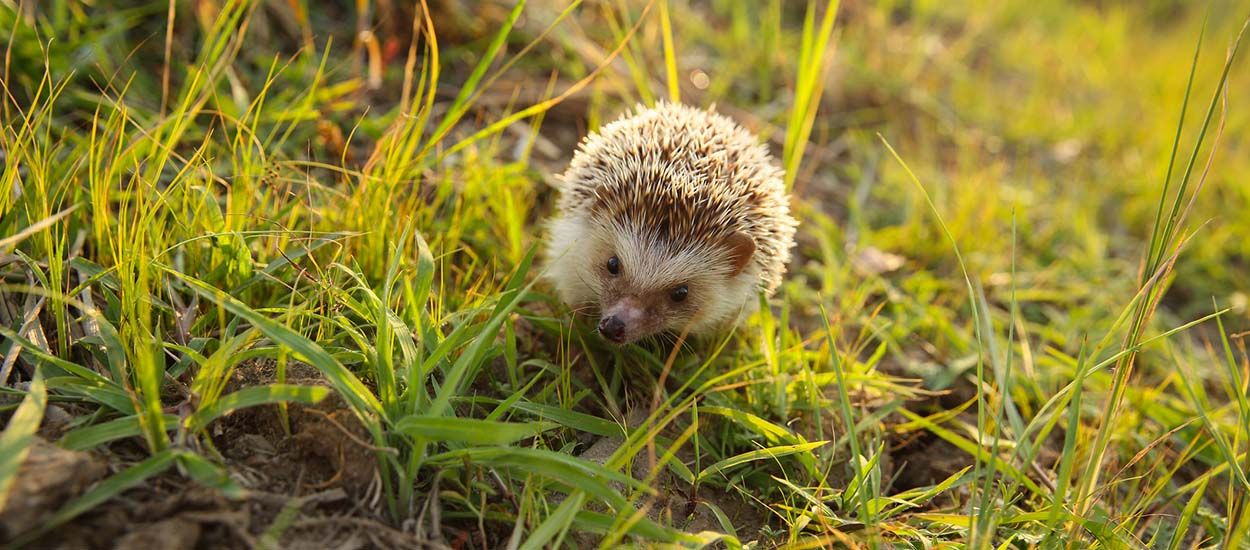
(741, 247)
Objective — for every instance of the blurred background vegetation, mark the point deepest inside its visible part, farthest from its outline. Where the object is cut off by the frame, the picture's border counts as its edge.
(365, 182)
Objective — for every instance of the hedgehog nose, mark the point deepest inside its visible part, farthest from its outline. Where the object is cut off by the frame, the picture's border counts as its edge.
(612, 328)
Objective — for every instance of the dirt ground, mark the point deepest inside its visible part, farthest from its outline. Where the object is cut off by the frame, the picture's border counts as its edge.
(312, 488)
(317, 487)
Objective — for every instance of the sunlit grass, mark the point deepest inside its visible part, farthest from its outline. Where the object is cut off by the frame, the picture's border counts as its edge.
(1016, 314)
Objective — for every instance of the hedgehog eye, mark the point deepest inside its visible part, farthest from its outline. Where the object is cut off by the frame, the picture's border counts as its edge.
(614, 266)
(679, 294)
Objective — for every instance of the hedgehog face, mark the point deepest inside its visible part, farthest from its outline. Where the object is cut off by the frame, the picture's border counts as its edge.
(648, 286)
(639, 297)
(643, 286)
(670, 219)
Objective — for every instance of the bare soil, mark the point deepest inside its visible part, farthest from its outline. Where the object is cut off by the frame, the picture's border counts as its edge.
(316, 486)
(310, 488)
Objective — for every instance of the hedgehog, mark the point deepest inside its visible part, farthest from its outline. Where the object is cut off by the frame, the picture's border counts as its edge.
(671, 219)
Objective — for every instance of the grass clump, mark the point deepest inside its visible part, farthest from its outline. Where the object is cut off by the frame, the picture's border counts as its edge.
(239, 233)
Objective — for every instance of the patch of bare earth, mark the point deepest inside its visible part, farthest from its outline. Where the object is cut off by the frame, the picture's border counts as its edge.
(314, 486)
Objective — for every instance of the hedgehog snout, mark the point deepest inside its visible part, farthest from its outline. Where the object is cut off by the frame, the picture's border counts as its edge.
(612, 328)
(622, 321)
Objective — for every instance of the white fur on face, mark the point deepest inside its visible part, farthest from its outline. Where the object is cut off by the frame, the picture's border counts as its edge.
(573, 279)
(650, 269)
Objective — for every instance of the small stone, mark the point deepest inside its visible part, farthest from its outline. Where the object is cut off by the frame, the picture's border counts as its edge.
(171, 534)
(48, 478)
(55, 418)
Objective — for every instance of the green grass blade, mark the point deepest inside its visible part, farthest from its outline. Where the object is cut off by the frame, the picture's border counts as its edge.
(769, 453)
(72, 368)
(970, 447)
(208, 474)
(1198, 400)
(19, 434)
(848, 418)
(1187, 516)
(253, 397)
(918, 497)
(485, 337)
(90, 437)
(1067, 460)
(1154, 251)
(813, 60)
(644, 528)
(570, 419)
(569, 470)
(773, 433)
(556, 524)
(461, 105)
(470, 430)
(351, 388)
(114, 398)
(670, 59)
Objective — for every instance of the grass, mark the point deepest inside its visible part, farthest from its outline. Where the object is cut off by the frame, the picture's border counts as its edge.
(1016, 316)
